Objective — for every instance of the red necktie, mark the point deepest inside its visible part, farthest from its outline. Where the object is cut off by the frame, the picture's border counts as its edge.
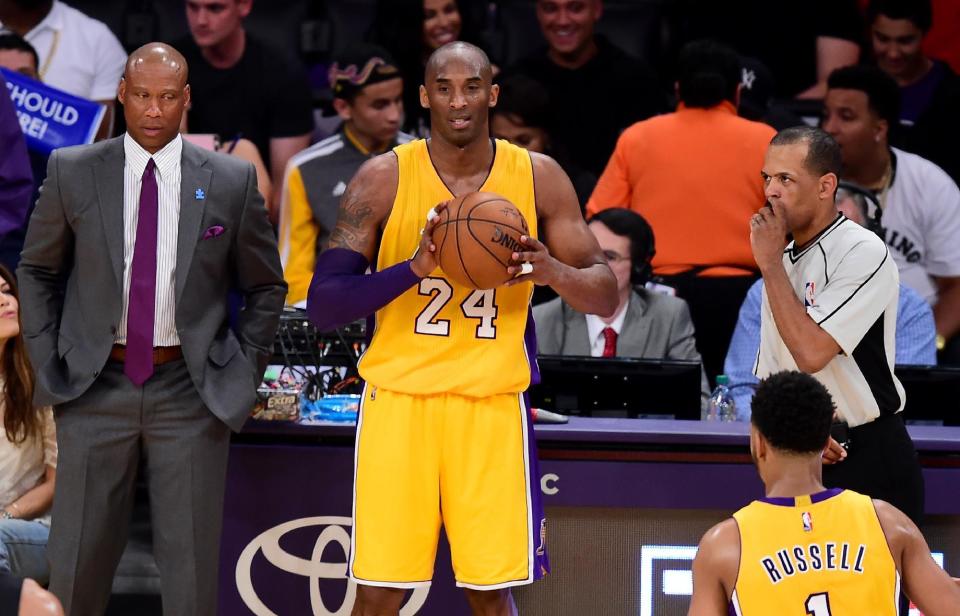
(138, 365)
(609, 342)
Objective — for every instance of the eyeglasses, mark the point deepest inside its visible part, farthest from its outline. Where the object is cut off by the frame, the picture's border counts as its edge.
(613, 256)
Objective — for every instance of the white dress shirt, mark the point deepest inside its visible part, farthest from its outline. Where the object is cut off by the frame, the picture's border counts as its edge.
(77, 53)
(167, 171)
(595, 327)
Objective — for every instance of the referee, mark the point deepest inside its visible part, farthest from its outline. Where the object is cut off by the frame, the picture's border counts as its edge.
(829, 309)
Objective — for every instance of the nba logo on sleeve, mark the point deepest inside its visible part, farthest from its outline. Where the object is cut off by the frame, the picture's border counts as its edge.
(808, 295)
(807, 520)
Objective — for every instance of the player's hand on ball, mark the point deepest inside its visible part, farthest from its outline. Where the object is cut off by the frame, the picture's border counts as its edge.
(768, 235)
(534, 265)
(425, 259)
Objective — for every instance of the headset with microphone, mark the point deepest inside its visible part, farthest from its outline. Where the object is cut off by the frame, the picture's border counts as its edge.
(633, 226)
(868, 203)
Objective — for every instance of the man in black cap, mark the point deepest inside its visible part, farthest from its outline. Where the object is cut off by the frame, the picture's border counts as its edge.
(368, 97)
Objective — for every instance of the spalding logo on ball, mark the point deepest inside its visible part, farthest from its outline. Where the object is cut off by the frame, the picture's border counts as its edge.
(476, 237)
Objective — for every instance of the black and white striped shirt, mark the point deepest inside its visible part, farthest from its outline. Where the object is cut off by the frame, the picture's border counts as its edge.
(849, 285)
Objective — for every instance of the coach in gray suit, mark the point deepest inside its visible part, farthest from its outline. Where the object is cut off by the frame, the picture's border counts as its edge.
(130, 254)
(646, 324)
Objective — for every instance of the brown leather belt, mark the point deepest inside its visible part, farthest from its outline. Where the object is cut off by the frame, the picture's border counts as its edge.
(161, 355)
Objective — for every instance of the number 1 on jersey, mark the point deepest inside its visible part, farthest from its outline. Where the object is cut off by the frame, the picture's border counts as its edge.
(480, 304)
(818, 604)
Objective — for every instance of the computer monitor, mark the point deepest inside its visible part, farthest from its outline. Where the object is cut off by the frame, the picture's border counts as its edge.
(618, 387)
(933, 394)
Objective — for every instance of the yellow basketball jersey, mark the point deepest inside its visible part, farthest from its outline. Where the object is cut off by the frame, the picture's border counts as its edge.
(824, 555)
(440, 336)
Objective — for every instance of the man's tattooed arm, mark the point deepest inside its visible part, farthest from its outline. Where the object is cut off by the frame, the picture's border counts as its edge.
(365, 205)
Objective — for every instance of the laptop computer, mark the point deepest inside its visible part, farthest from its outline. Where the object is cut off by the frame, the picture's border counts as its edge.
(933, 394)
(618, 387)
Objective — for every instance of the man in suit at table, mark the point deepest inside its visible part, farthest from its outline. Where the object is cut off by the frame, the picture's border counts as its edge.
(646, 324)
(128, 260)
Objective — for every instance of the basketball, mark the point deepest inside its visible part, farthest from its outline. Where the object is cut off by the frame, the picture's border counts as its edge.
(476, 237)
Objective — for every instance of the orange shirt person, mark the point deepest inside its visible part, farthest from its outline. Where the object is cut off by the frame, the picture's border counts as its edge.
(694, 175)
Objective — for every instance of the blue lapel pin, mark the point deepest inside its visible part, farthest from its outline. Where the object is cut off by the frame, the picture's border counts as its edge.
(199, 196)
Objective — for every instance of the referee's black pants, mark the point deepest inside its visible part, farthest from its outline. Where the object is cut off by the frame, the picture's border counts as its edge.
(881, 463)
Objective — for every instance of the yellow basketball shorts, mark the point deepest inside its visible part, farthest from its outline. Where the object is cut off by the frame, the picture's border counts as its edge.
(468, 464)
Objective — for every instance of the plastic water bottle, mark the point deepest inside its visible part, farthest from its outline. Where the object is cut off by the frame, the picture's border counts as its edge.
(721, 406)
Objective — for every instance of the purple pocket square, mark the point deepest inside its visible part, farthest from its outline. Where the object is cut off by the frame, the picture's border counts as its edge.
(212, 232)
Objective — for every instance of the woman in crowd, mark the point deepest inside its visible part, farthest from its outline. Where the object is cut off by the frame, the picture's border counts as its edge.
(411, 30)
(28, 451)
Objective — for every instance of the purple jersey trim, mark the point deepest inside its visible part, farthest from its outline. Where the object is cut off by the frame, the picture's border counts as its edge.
(822, 496)
(530, 340)
(538, 520)
(341, 293)
(789, 501)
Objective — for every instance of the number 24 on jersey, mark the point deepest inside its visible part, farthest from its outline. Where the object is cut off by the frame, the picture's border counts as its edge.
(480, 305)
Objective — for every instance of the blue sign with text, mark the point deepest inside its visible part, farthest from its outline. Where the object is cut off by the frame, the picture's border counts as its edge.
(51, 118)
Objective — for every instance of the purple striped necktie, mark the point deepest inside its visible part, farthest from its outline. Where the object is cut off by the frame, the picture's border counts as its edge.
(138, 363)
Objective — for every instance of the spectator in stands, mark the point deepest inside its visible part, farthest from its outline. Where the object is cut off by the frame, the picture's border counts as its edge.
(244, 87)
(28, 451)
(915, 341)
(596, 90)
(521, 117)
(756, 96)
(368, 96)
(18, 55)
(929, 89)
(77, 54)
(413, 29)
(646, 324)
(921, 204)
(16, 178)
(801, 41)
(694, 174)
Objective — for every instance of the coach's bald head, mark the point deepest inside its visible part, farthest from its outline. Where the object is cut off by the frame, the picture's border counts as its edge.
(154, 93)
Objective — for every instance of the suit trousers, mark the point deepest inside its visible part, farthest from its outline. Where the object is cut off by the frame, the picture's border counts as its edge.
(102, 437)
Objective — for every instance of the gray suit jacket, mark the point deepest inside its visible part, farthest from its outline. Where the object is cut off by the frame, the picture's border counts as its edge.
(656, 326)
(71, 274)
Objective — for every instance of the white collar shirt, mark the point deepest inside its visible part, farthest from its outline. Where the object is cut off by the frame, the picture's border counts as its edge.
(595, 327)
(167, 161)
(78, 54)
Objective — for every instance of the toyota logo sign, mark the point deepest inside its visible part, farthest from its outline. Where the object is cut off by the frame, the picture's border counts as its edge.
(334, 528)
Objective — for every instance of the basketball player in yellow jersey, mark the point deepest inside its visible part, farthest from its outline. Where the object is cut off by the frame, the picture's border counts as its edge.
(444, 435)
(805, 550)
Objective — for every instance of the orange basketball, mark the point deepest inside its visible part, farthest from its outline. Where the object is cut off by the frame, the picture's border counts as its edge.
(476, 237)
